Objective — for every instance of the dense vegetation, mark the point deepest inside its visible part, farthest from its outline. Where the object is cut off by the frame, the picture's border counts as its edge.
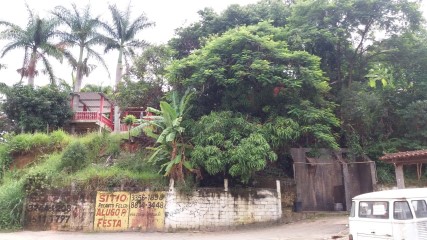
(229, 94)
(57, 160)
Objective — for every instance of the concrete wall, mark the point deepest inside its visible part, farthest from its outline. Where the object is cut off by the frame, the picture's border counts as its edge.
(216, 208)
(59, 210)
(151, 211)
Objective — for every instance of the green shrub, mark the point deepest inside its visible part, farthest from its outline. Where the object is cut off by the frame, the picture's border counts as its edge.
(59, 138)
(74, 157)
(113, 144)
(5, 159)
(37, 183)
(135, 162)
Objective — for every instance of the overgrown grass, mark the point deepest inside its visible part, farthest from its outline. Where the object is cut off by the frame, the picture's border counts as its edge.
(98, 177)
(11, 202)
(49, 172)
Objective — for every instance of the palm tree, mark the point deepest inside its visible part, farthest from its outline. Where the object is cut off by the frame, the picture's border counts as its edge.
(122, 38)
(35, 39)
(83, 34)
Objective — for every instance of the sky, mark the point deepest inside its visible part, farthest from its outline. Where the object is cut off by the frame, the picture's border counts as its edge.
(168, 15)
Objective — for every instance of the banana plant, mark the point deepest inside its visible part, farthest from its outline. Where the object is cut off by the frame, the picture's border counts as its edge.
(166, 127)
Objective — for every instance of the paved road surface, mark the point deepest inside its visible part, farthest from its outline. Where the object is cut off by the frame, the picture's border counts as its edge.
(328, 227)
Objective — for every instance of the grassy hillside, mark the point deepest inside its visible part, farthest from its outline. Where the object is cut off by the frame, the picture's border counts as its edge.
(36, 162)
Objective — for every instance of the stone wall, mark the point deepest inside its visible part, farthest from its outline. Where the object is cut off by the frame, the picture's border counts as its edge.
(151, 211)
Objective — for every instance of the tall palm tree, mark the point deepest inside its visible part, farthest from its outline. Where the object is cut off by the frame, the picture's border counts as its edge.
(83, 33)
(36, 40)
(122, 36)
(123, 33)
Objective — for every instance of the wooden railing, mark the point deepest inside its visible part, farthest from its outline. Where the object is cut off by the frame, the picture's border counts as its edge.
(106, 121)
(86, 116)
(93, 116)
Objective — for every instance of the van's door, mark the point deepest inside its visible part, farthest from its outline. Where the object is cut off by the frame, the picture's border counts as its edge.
(374, 220)
(409, 224)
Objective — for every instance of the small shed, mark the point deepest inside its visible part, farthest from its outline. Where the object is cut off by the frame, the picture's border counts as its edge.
(400, 159)
(330, 179)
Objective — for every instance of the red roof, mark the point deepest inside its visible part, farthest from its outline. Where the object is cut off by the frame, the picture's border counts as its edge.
(409, 157)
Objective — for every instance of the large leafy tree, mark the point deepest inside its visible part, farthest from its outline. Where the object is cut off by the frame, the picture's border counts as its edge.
(34, 109)
(278, 97)
(386, 113)
(83, 33)
(342, 32)
(193, 37)
(250, 70)
(36, 39)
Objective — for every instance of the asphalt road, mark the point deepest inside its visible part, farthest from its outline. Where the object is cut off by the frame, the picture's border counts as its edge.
(325, 227)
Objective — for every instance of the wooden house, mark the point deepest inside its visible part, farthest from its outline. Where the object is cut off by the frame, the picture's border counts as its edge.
(94, 111)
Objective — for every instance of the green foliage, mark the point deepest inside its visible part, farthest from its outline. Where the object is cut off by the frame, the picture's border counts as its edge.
(35, 109)
(129, 120)
(36, 41)
(414, 122)
(59, 138)
(193, 37)
(250, 70)
(37, 183)
(170, 152)
(345, 43)
(136, 162)
(82, 32)
(5, 159)
(98, 177)
(228, 143)
(40, 142)
(385, 173)
(11, 204)
(138, 93)
(74, 157)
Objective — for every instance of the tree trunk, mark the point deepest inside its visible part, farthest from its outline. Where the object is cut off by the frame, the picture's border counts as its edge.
(32, 68)
(119, 69)
(79, 74)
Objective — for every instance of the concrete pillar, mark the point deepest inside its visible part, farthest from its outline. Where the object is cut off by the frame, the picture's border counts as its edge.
(116, 119)
(347, 185)
(171, 185)
(400, 179)
(279, 197)
(225, 184)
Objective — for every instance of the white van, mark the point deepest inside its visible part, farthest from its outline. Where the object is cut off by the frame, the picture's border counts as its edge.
(392, 214)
